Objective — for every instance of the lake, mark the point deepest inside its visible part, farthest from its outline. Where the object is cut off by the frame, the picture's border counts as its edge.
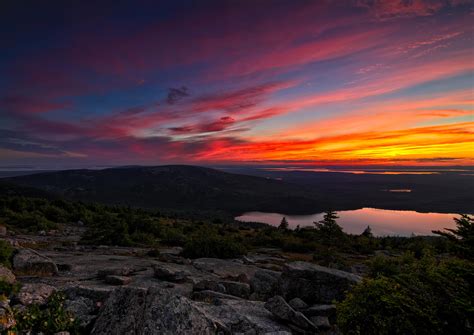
(382, 221)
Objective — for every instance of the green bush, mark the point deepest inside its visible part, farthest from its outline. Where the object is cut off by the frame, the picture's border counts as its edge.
(173, 237)
(212, 245)
(49, 318)
(7, 289)
(409, 296)
(144, 239)
(381, 306)
(6, 253)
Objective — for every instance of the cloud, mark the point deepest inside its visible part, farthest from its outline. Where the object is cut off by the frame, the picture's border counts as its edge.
(176, 94)
(238, 100)
(393, 9)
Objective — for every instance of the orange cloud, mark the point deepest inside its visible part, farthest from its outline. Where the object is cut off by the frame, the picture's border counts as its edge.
(449, 142)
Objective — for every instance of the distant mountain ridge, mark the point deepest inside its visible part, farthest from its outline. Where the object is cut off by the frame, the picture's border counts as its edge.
(186, 187)
(175, 186)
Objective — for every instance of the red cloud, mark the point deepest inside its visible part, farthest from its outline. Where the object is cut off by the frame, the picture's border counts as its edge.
(391, 9)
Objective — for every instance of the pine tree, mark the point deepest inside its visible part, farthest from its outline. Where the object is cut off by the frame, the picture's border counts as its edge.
(283, 224)
(328, 228)
(367, 232)
(462, 238)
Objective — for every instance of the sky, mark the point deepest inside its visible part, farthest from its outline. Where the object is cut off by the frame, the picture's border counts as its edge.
(342, 82)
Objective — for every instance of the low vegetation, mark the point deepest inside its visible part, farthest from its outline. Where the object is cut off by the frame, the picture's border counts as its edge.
(209, 244)
(49, 318)
(405, 295)
(6, 253)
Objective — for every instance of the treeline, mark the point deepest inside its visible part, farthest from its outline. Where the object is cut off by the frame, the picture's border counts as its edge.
(126, 226)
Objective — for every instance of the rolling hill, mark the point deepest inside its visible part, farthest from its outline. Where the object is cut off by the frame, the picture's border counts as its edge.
(176, 186)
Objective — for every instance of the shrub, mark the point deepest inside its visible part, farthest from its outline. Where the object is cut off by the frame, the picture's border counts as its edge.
(330, 258)
(141, 238)
(410, 296)
(109, 233)
(211, 245)
(6, 253)
(173, 237)
(7, 289)
(49, 318)
(292, 244)
(381, 306)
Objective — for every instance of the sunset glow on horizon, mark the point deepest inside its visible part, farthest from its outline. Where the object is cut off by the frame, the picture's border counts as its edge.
(350, 82)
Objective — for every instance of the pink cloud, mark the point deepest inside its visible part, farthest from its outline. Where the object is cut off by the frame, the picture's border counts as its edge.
(393, 9)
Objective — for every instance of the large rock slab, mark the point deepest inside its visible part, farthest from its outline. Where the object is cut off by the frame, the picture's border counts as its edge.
(315, 284)
(166, 313)
(122, 313)
(264, 284)
(154, 311)
(85, 302)
(27, 262)
(244, 317)
(226, 268)
(139, 311)
(237, 289)
(282, 310)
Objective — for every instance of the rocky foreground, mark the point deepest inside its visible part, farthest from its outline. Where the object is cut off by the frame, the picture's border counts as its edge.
(113, 290)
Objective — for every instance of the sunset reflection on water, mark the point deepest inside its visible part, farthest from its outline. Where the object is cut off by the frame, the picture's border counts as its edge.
(382, 221)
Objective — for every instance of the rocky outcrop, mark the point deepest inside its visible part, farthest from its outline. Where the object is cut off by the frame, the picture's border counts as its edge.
(241, 290)
(297, 304)
(152, 311)
(6, 275)
(27, 262)
(175, 295)
(227, 269)
(244, 317)
(170, 272)
(85, 303)
(264, 284)
(282, 310)
(315, 284)
(34, 294)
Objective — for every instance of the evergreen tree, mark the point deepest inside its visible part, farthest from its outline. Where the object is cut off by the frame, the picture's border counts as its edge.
(328, 228)
(462, 238)
(283, 224)
(367, 232)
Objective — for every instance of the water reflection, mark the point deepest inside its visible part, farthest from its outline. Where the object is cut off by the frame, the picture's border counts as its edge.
(374, 171)
(382, 221)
